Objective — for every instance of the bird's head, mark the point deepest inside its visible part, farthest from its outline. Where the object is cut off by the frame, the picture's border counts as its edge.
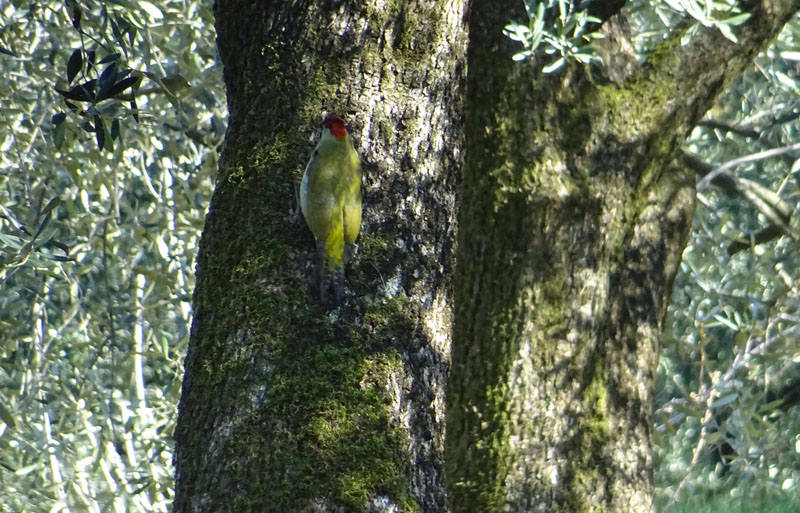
(336, 125)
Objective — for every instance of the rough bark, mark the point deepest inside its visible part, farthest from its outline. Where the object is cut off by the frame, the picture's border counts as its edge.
(288, 405)
(571, 228)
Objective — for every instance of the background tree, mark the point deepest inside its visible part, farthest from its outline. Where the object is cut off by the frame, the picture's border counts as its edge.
(570, 193)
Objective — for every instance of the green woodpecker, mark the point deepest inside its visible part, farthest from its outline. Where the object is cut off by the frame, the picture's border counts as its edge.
(330, 197)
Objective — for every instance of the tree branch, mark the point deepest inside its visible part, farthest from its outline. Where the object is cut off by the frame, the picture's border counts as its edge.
(762, 236)
(727, 127)
(743, 160)
(703, 169)
(692, 76)
(603, 9)
(767, 202)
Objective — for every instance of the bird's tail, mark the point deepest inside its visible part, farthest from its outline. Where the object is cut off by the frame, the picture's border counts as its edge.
(330, 274)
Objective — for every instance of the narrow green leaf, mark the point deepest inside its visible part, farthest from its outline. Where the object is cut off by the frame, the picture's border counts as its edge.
(6, 51)
(108, 76)
(7, 417)
(59, 132)
(115, 29)
(728, 33)
(728, 399)
(554, 66)
(135, 110)
(151, 9)
(117, 88)
(53, 203)
(42, 226)
(74, 65)
(114, 57)
(786, 80)
(74, 13)
(99, 132)
(11, 241)
(736, 20)
(115, 129)
(175, 84)
(132, 34)
(106, 82)
(91, 56)
(726, 322)
(82, 92)
(521, 56)
(770, 406)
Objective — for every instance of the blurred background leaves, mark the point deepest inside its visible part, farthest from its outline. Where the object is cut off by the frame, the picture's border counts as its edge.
(111, 117)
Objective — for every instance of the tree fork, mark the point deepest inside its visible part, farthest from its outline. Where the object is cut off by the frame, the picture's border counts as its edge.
(569, 194)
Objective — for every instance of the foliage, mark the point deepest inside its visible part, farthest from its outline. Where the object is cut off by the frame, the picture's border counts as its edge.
(727, 423)
(109, 131)
(567, 30)
(565, 34)
(742, 505)
(721, 15)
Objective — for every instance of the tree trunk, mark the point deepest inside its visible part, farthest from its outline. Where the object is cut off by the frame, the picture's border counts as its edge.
(289, 404)
(571, 228)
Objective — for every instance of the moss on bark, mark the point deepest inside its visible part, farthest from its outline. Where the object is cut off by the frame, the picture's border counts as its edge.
(571, 227)
(289, 404)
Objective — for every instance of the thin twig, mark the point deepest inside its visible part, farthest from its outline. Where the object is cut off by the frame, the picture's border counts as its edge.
(727, 127)
(743, 160)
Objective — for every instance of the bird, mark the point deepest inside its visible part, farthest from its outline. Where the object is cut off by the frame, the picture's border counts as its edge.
(330, 199)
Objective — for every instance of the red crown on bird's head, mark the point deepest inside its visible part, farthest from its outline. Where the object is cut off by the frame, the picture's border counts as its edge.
(336, 125)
